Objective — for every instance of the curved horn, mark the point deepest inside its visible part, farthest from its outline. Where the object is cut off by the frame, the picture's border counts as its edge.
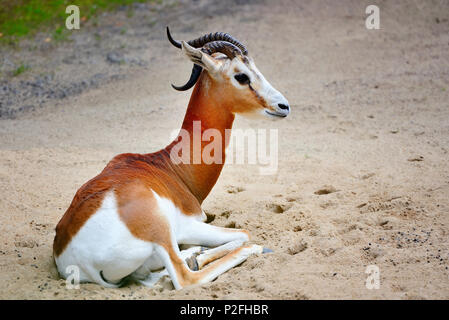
(201, 41)
(212, 42)
(177, 44)
(217, 36)
(196, 72)
(229, 49)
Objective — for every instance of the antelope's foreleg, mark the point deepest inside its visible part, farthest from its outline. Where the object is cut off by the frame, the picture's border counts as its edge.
(209, 255)
(224, 239)
(203, 234)
(211, 262)
(181, 274)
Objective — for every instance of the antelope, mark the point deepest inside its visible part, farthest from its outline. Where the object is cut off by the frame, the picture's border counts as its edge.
(131, 219)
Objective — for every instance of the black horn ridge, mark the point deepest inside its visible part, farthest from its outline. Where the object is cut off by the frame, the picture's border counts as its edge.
(217, 36)
(201, 41)
(209, 43)
(227, 48)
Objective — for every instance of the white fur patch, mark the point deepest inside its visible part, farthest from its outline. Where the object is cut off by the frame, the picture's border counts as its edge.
(104, 243)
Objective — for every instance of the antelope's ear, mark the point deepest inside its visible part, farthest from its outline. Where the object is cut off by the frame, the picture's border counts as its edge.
(200, 58)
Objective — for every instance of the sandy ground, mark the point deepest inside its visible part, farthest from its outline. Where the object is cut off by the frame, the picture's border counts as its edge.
(363, 177)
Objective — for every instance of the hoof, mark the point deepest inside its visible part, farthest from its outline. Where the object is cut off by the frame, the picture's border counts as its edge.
(192, 263)
(266, 250)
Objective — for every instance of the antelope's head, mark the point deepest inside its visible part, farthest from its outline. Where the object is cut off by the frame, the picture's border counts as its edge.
(241, 86)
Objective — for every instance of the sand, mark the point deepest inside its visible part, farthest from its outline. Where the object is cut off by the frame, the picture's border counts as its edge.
(363, 177)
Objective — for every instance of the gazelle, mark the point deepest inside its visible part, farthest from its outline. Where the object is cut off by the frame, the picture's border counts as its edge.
(131, 218)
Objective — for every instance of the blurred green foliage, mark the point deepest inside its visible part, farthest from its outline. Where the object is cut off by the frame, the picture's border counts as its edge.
(19, 18)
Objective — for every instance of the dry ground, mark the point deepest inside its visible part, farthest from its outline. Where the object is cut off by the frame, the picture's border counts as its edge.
(369, 124)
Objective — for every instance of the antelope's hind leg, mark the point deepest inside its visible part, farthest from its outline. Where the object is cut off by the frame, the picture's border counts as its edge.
(157, 221)
(166, 250)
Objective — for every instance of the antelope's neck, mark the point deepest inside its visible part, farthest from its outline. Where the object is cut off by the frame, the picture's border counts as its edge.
(207, 118)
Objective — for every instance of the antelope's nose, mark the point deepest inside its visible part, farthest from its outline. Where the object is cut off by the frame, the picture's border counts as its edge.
(283, 107)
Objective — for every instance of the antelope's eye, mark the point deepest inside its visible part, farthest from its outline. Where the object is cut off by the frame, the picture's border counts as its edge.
(242, 78)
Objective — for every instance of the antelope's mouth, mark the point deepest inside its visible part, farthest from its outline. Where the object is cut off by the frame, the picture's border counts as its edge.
(276, 114)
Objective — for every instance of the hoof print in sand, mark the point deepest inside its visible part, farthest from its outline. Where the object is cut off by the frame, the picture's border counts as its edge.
(226, 214)
(415, 159)
(326, 190)
(279, 208)
(234, 189)
(297, 248)
(210, 217)
(232, 225)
